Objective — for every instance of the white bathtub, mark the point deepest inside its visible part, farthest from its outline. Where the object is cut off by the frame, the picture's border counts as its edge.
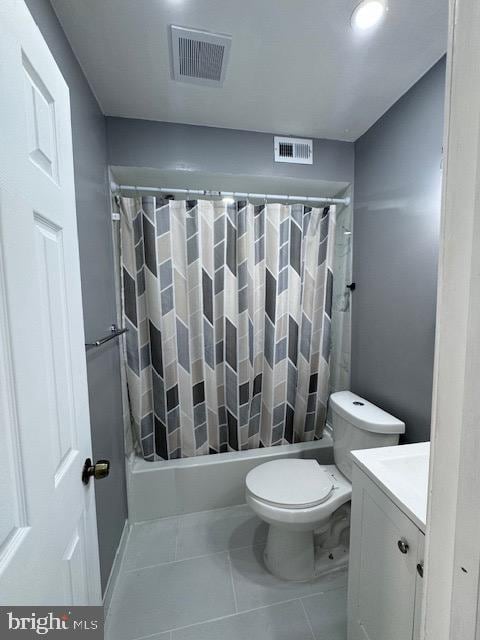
(173, 487)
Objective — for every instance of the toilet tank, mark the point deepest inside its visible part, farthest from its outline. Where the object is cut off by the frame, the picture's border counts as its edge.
(359, 424)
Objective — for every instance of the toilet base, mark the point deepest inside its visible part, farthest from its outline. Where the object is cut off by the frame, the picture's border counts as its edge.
(290, 555)
(302, 556)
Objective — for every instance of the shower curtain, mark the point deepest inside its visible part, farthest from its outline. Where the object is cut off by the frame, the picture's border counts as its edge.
(228, 309)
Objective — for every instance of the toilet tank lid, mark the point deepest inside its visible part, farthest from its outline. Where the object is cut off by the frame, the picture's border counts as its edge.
(363, 414)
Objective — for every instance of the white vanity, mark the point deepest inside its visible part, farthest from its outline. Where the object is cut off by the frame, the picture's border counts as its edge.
(389, 506)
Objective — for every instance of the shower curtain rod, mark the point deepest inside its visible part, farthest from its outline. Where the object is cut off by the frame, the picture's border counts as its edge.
(233, 194)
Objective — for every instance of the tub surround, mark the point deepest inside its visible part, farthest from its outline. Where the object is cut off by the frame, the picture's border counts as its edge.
(401, 473)
(174, 487)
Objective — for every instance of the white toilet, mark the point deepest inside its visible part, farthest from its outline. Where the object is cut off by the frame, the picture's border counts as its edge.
(300, 498)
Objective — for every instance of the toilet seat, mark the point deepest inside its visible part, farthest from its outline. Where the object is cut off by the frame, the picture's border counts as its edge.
(290, 483)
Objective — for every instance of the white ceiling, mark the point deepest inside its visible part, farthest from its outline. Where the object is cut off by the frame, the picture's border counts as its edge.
(296, 66)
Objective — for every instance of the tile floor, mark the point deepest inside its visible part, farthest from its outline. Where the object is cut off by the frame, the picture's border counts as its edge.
(201, 577)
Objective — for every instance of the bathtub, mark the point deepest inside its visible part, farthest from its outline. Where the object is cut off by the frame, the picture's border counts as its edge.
(174, 487)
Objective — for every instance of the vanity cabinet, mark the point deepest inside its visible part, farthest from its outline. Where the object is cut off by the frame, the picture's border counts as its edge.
(386, 567)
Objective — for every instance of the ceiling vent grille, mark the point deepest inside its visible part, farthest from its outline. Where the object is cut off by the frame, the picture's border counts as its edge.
(199, 57)
(294, 150)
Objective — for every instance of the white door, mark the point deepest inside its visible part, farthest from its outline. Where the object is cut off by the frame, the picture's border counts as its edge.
(452, 576)
(48, 543)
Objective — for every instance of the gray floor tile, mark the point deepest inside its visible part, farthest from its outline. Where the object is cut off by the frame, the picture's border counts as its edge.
(256, 587)
(327, 613)
(279, 622)
(171, 595)
(219, 530)
(158, 636)
(151, 543)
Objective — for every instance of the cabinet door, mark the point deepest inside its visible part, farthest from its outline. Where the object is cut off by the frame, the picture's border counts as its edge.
(383, 565)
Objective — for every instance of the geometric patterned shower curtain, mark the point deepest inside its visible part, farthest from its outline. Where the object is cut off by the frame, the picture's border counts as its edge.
(229, 310)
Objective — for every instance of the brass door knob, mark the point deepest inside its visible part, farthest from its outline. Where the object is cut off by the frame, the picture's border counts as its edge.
(403, 545)
(99, 470)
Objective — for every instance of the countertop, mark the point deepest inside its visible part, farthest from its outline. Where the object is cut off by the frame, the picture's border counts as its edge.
(402, 473)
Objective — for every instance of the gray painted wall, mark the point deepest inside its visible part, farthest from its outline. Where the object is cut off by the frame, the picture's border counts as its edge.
(209, 150)
(96, 261)
(396, 233)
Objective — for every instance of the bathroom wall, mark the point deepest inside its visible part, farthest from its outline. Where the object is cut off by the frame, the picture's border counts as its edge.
(395, 246)
(209, 150)
(96, 262)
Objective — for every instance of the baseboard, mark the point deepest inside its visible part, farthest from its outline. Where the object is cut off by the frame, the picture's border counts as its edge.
(117, 563)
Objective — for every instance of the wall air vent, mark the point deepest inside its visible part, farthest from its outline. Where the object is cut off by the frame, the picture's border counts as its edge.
(199, 57)
(294, 150)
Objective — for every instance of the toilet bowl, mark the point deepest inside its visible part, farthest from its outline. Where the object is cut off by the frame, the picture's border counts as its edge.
(296, 498)
(305, 502)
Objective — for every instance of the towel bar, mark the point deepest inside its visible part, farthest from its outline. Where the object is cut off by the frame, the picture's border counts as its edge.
(114, 333)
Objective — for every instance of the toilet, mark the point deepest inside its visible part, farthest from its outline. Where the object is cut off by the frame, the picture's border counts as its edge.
(306, 504)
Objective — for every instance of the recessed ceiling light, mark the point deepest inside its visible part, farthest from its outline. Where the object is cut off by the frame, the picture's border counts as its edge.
(368, 14)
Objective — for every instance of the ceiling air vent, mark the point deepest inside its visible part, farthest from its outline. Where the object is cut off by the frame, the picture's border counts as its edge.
(295, 150)
(199, 56)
